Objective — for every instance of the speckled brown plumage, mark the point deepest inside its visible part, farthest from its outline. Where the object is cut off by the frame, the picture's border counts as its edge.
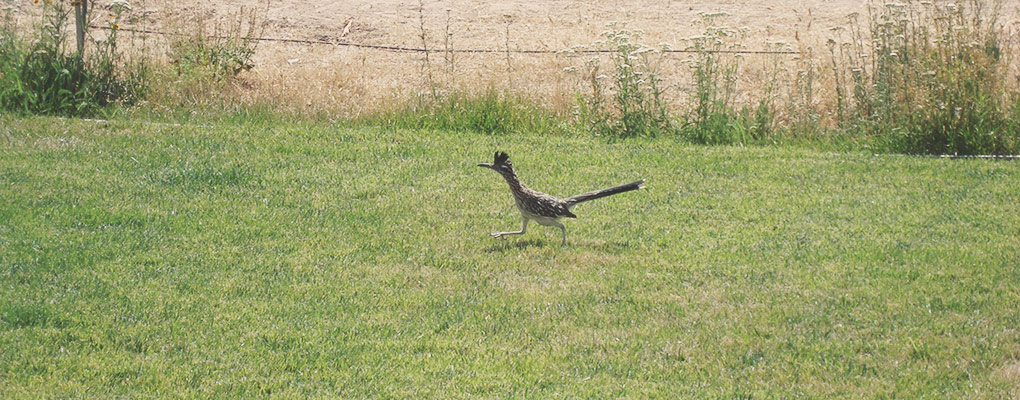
(543, 208)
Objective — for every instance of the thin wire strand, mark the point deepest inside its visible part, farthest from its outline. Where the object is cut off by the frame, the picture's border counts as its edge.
(404, 49)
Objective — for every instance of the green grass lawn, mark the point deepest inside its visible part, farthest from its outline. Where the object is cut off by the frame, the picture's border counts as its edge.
(308, 260)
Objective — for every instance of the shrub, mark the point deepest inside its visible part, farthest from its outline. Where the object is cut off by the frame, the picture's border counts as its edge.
(932, 79)
(45, 77)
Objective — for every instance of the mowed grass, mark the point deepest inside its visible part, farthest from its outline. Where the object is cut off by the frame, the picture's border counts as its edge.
(241, 260)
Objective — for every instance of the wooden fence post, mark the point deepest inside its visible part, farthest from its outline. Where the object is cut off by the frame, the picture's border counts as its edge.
(81, 22)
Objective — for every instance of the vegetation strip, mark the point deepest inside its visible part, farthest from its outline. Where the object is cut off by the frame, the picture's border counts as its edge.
(917, 78)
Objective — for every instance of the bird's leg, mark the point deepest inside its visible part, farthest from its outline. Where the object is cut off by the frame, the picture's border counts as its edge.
(562, 229)
(524, 227)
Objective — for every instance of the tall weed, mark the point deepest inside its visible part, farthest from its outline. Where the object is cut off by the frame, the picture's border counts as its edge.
(712, 118)
(633, 103)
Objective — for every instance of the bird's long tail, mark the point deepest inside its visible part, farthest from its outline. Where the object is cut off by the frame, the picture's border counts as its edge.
(583, 197)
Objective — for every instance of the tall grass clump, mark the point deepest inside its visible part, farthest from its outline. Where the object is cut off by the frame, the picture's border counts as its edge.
(42, 74)
(931, 78)
(632, 104)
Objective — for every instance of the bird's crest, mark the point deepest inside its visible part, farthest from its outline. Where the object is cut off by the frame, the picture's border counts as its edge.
(501, 158)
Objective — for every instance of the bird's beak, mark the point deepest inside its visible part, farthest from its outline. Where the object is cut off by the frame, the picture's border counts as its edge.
(486, 165)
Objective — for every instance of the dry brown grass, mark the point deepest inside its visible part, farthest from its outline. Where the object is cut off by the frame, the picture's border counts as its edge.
(348, 82)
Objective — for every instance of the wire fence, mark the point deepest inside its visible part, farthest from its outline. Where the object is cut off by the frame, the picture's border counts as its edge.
(406, 49)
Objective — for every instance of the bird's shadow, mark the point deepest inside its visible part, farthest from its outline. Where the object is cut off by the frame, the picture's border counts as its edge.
(505, 245)
(510, 244)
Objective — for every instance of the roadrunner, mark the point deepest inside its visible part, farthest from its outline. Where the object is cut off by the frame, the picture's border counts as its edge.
(543, 208)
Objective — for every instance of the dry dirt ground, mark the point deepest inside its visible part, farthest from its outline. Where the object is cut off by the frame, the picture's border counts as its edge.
(351, 80)
(343, 72)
